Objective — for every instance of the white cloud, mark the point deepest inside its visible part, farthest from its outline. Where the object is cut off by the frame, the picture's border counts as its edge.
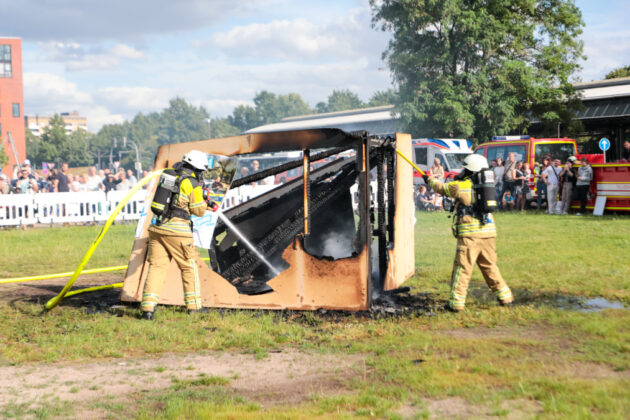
(348, 36)
(48, 94)
(114, 19)
(133, 99)
(605, 50)
(78, 57)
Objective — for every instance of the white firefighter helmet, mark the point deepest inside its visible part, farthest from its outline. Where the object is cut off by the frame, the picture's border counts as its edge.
(475, 162)
(196, 159)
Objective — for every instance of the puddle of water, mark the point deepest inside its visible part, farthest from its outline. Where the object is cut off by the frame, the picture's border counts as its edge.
(566, 302)
(599, 304)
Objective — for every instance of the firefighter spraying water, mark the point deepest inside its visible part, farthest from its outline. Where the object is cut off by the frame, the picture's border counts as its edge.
(474, 228)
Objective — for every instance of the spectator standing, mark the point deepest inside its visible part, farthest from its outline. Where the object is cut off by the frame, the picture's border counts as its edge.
(541, 186)
(499, 171)
(110, 183)
(568, 177)
(25, 183)
(51, 178)
(519, 185)
(123, 182)
(509, 174)
(132, 179)
(625, 153)
(437, 170)
(551, 176)
(521, 200)
(61, 182)
(583, 184)
(5, 188)
(93, 181)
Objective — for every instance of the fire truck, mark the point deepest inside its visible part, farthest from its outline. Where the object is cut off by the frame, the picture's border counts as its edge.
(610, 180)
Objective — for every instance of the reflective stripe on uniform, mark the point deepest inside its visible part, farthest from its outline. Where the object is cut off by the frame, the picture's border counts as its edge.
(456, 301)
(504, 294)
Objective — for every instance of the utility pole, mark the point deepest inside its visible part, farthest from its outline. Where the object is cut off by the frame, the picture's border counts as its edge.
(138, 165)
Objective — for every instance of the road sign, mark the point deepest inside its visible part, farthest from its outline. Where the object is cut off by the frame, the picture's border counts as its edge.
(604, 144)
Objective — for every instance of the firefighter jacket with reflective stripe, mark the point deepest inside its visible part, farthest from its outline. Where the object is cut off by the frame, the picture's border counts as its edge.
(190, 199)
(466, 225)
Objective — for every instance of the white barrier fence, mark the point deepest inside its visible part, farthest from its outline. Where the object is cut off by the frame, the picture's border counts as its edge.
(93, 206)
(96, 206)
(69, 207)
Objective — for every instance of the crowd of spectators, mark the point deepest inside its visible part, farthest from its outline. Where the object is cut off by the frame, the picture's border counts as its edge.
(556, 185)
(29, 181)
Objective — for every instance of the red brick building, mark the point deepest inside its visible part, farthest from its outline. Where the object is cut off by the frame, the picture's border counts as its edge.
(12, 101)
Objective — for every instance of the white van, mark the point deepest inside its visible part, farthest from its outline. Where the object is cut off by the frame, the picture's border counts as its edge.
(450, 152)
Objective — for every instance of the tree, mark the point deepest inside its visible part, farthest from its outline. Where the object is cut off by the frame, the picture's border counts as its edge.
(4, 158)
(383, 97)
(341, 100)
(182, 122)
(470, 68)
(221, 127)
(620, 72)
(268, 108)
(47, 148)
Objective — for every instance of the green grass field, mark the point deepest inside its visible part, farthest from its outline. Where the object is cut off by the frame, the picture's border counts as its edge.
(533, 360)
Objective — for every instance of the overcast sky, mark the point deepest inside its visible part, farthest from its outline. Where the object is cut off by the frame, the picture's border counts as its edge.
(111, 59)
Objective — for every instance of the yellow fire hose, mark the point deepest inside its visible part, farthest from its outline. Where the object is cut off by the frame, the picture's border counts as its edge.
(60, 275)
(55, 301)
(410, 162)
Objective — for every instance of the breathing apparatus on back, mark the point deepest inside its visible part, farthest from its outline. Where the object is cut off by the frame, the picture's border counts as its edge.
(166, 197)
(483, 195)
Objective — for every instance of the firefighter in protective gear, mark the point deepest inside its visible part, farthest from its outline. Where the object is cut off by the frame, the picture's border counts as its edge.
(170, 236)
(475, 235)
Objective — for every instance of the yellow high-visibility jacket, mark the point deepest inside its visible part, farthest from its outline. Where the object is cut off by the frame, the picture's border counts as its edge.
(190, 199)
(462, 193)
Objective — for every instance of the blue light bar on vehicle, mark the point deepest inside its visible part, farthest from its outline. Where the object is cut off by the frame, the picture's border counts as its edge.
(510, 138)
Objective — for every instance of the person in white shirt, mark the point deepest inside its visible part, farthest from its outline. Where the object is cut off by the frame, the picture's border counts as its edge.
(93, 182)
(551, 176)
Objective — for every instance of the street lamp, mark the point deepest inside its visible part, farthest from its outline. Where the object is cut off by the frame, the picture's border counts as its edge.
(138, 164)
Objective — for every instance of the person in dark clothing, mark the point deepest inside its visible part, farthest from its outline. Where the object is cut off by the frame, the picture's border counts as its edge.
(625, 153)
(61, 182)
(110, 182)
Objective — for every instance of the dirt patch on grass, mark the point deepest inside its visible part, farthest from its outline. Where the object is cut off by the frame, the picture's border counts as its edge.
(589, 371)
(459, 408)
(288, 377)
(43, 290)
(530, 333)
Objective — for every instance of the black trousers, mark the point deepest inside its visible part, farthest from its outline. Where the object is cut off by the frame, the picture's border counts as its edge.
(582, 194)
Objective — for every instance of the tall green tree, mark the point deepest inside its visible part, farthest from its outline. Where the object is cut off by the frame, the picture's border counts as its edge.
(475, 68)
(4, 158)
(182, 122)
(620, 72)
(340, 100)
(221, 127)
(383, 97)
(268, 108)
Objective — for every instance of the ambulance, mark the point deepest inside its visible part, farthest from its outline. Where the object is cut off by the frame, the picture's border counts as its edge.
(450, 152)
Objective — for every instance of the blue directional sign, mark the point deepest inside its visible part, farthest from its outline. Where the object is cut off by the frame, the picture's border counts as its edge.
(604, 144)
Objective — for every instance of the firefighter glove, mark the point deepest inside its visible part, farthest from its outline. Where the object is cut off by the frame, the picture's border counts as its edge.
(426, 178)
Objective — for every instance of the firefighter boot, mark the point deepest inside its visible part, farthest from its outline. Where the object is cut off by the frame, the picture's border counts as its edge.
(148, 315)
(198, 311)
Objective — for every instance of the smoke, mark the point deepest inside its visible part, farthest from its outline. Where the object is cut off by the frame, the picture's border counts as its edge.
(337, 245)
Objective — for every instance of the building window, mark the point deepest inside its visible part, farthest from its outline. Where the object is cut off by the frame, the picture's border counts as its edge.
(5, 61)
(16, 110)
